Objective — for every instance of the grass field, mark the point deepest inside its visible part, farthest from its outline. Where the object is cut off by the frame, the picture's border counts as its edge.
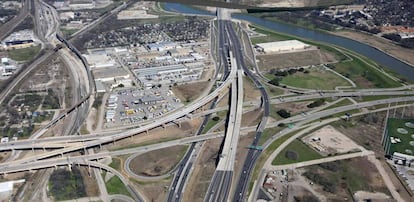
(267, 133)
(356, 67)
(275, 36)
(404, 146)
(116, 163)
(304, 153)
(341, 179)
(24, 54)
(315, 79)
(158, 162)
(115, 186)
(341, 103)
(211, 122)
(363, 74)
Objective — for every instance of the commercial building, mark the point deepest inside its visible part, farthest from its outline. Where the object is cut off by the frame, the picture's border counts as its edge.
(281, 46)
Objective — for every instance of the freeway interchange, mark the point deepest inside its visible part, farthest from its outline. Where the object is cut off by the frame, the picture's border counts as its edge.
(225, 185)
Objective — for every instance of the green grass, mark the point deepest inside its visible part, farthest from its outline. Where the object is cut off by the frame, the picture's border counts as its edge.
(211, 122)
(277, 36)
(341, 103)
(273, 112)
(379, 97)
(116, 164)
(24, 54)
(267, 133)
(358, 70)
(315, 79)
(209, 125)
(65, 184)
(392, 125)
(354, 69)
(115, 186)
(305, 153)
(340, 175)
(68, 32)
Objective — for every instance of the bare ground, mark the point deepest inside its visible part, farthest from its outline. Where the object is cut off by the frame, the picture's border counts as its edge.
(189, 92)
(251, 118)
(250, 91)
(158, 162)
(361, 167)
(91, 186)
(295, 59)
(397, 51)
(158, 134)
(369, 134)
(155, 191)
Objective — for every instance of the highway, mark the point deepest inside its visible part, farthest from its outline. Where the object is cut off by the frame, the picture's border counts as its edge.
(253, 154)
(9, 26)
(184, 168)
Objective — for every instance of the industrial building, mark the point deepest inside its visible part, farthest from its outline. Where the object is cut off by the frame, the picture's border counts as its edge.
(20, 39)
(162, 46)
(281, 46)
(169, 74)
(100, 60)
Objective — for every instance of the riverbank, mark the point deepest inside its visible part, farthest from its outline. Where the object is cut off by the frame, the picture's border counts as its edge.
(377, 42)
(401, 53)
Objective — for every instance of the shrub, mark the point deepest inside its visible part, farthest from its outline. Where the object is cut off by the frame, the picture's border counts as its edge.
(292, 155)
(316, 103)
(283, 113)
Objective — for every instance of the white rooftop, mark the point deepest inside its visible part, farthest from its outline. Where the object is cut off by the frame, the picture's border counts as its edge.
(281, 44)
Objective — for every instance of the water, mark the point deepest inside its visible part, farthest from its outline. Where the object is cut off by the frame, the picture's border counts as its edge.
(379, 57)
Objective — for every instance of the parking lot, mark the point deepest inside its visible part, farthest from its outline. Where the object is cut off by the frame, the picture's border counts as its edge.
(134, 106)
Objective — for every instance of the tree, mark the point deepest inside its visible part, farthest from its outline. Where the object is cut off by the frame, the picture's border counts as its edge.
(283, 113)
(216, 118)
(316, 103)
(274, 82)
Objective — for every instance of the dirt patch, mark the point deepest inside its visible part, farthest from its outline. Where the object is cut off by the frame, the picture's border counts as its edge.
(297, 59)
(91, 186)
(294, 107)
(365, 131)
(155, 191)
(250, 91)
(159, 134)
(189, 92)
(328, 140)
(363, 82)
(397, 51)
(339, 180)
(203, 171)
(158, 162)
(252, 118)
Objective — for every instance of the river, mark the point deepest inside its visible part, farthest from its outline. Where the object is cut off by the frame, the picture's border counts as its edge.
(376, 55)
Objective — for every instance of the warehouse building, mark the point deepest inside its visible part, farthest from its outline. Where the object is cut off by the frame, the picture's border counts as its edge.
(20, 39)
(281, 46)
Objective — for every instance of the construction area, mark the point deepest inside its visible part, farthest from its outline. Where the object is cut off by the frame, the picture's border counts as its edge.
(329, 141)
